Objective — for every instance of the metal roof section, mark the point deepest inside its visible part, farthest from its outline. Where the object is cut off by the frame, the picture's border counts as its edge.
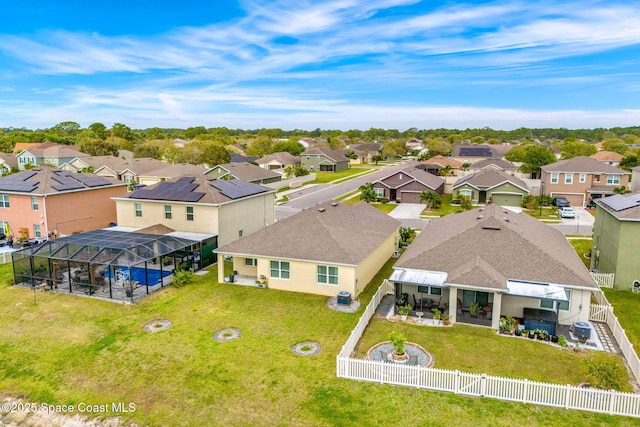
(419, 277)
(537, 290)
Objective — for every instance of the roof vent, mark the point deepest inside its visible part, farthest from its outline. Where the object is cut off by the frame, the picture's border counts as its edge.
(491, 227)
(334, 204)
(504, 211)
(321, 209)
(506, 218)
(480, 216)
(481, 209)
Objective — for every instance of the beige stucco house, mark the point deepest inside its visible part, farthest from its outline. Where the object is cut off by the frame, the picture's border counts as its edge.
(509, 263)
(491, 186)
(322, 250)
(246, 172)
(278, 161)
(197, 204)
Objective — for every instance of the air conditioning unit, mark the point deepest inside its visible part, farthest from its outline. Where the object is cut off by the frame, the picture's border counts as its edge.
(582, 328)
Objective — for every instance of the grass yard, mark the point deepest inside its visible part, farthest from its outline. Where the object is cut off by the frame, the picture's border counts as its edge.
(68, 349)
(445, 208)
(549, 213)
(626, 304)
(582, 248)
(325, 177)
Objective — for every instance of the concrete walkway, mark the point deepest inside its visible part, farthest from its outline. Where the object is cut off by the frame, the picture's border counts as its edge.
(407, 210)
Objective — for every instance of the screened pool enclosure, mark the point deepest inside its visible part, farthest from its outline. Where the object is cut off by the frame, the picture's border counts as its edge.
(110, 264)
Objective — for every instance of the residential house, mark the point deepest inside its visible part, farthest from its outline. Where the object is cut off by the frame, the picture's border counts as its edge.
(228, 209)
(635, 179)
(494, 164)
(307, 142)
(278, 161)
(7, 162)
(416, 145)
(491, 186)
(509, 263)
(243, 171)
(48, 153)
(437, 163)
(582, 178)
(323, 250)
(616, 233)
(44, 202)
(324, 159)
(471, 153)
(239, 158)
(406, 185)
(166, 172)
(609, 157)
(124, 169)
(364, 152)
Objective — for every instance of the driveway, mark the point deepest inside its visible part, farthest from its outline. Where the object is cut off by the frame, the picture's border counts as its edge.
(581, 224)
(407, 210)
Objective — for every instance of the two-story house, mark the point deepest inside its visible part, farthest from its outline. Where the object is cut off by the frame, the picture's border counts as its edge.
(44, 202)
(406, 185)
(7, 162)
(582, 178)
(228, 209)
(322, 159)
(125, 169)
(48, 153)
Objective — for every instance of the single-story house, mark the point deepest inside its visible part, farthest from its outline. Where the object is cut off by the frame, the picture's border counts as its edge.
(7, 162)
(167, 172)
(491, 186)
(435, 164)
(406, 185)
(278, 161)
(364, 152)
(322, 250)
(609, 157)
(323, 159)
(246, 172)
(509, 263)
(616, 233)
(471, 153)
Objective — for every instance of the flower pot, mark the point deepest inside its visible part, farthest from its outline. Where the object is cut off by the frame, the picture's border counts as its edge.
(540, 337)
(402, 358)
(532, 335)
(403, 317)
(547, 338)
(554, 338)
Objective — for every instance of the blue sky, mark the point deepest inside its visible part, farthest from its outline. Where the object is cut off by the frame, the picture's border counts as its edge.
(299, 64)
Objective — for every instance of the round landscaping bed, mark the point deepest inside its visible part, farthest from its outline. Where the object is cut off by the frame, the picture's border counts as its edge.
(157, 326)
(306, 348)
(227, 334)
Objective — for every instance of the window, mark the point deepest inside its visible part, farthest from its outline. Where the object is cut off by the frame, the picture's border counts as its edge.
(4, 200)
(250, 262)
(138, 209)
(327, 275)
(240, 233)
(167, 211)
(613, 179)
(583, 178)
(190, 214)
(34, 203)
(379, 192)
(467, 193)
(128, 178)
(554, 178)
(546, 303)
(280, 269)
(568, 178)
(565, 305)
(36, 230)
(430, 290)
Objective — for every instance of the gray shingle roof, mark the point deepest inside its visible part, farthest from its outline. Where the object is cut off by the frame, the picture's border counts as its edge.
(499, 163)
(489, 178)
(341, 234)
(247, 172)
(582, 164)
(174, 170)
(486, 251)
(43, 180)
(282, 158)
(335, 155)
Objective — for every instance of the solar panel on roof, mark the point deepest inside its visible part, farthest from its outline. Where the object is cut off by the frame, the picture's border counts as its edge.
(91, 180)
(177, 191)
(619, 202)
(475, 151)
(235, 189)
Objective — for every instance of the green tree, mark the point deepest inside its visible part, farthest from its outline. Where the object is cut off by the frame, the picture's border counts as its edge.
(431, 199)
(297, 170)
(260, 147)
(98, 147)
(215, 154)
(66, 128)
(377, 158)
(445, 171)
(621, 190)
(465, 202)
(99, 130)
(532, 157)
(292, 147)
(571, 148)
(367, 194)
(628, 162)
(406, 234)
(393, 149)
(477, 140)
(123, 131)
(616, 145)
(439, 146)
(192, 132)
(147, 150)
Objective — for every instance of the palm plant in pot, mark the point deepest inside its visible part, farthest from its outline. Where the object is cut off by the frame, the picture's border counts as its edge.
(403, 310)
(474, 310)
(437, 314)
(398, 341)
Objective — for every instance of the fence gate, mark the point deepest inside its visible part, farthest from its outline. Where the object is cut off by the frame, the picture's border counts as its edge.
(599, 313)
(604, 280)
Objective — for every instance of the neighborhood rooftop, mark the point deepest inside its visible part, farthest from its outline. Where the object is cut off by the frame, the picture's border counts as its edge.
(486, 247)
(582, 164)
(329, 232)
(46, 180)
(622, 206)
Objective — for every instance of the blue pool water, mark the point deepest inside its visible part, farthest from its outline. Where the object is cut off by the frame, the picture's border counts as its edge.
(138, 275)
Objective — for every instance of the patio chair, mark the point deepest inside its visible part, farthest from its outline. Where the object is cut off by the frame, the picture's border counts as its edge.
(386, 357)
(413, 360)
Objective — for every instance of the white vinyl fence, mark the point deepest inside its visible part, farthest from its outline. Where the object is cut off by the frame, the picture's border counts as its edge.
(482, 385)
(5, 257)
(604, 280)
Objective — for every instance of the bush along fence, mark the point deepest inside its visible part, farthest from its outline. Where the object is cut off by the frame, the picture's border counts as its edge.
(479, 385)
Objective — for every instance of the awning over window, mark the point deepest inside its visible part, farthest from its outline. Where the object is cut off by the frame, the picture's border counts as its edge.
(418, 277)
(536, 290)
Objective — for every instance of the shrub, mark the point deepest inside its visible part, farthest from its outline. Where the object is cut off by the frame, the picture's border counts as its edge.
(398, 340)
(182, 277)
(530, 202)
(465, 202)
(606, 374)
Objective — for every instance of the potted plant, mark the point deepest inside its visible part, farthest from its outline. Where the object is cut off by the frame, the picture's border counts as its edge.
(532, 334)
(523, 333)
(445, 319)
(542, 334)
(474, 310)
(437, 314)
(508, 324)
(554, 338)
(398, 341)
(403, 310)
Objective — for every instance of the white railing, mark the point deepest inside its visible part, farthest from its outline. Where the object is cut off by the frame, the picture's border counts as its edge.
(599, 313)
(482, 385)
(604, 280)
(539, 393)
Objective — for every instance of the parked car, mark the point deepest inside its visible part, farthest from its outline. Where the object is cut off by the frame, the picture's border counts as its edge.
(560, 202)
(566, 212)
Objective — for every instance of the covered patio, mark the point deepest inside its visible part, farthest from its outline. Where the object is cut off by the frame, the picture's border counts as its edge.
(109, 264)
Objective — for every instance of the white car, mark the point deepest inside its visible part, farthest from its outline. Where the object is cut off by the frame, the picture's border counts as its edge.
(566, 212)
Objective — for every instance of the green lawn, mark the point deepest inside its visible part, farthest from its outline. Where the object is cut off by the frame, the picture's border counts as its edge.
(627, 308)
(325, 177)
(68, 349)
(445, 208)
(583, 249)
(549, 213)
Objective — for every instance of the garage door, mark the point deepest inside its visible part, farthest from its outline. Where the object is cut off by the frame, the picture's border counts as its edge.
(574, 199)
(506, 199)
(409, 197)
